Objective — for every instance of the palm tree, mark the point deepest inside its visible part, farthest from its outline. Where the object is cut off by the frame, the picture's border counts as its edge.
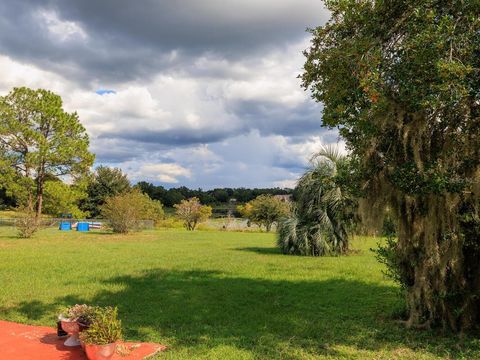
(319, 225)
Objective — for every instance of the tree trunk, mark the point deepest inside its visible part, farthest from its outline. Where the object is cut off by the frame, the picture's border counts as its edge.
(39, 203)
(440, 262)
(437, 252)
(30, 201)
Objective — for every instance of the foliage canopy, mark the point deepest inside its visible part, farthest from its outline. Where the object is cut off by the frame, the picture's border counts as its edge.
(265, 210)
(192, 212)
(104, 183)
(38, 141)
(401, 79)
(124, 211)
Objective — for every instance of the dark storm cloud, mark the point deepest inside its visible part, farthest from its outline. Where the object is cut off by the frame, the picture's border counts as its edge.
(209, 71)
(24, 35)
(173, 137)
(115, 154)
(289, 164)
(131, 39)
(268, 117)
(271, 117)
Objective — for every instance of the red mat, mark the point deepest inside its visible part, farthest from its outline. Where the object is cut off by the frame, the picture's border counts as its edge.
(24, 342)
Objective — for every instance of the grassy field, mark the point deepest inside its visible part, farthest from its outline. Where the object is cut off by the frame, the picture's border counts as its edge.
(218, 295)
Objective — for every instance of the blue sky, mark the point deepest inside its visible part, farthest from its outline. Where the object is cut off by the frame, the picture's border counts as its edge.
(105, 91)
(196, 93)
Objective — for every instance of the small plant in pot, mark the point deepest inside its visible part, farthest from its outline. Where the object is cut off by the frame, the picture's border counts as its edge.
(86, 318)
(69, 322)
(101, 337)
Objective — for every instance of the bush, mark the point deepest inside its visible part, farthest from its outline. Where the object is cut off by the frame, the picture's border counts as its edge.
(105, 327)
(170, 222)
(192, 212)
(26, 223)
(265, 210)
(151, 209)
(387, 255)
(125, 211)
(323, 216)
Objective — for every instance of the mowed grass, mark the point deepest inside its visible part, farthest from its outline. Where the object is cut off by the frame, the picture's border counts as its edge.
(218, 295)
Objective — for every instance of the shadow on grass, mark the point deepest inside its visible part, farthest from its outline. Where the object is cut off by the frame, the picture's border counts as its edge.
(261, 250)
(101, 232)
(35, 309)
(271, 319)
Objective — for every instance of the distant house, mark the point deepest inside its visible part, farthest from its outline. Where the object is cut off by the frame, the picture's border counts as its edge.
(284, 198)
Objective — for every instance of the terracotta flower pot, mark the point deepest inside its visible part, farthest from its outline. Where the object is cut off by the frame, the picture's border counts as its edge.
(100, 352)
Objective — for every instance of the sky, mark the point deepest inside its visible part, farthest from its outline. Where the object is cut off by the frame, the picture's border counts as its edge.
(196, 93)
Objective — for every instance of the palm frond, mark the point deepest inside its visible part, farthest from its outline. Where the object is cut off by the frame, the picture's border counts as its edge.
(318, 226)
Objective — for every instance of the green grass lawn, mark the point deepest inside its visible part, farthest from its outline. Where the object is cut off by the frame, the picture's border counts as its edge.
(218, 295)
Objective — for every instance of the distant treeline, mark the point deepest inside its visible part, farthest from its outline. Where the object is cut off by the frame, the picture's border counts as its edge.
(219, 198)
(170, 197)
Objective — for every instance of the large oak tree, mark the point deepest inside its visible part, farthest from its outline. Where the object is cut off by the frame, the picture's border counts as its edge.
(401, 80)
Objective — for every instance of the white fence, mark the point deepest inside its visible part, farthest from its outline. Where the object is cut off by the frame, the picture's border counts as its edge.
(232, 223)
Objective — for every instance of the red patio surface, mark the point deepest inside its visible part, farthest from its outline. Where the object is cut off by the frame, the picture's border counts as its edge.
(25, 342)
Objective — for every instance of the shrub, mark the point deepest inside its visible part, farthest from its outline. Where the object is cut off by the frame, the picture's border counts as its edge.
(322, 218)
(170, 222)
(387, 254)
(265, 210)
(389, 228)
(151, 209)
(26, 223)
(105, 327)
(125, 211)
(295, 239)
(192, 212)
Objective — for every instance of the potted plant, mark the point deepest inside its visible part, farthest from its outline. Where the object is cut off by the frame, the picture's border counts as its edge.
(101, 337)
(86, 318)
(69, 322)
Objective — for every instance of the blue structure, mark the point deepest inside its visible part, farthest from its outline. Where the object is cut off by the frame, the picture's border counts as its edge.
(65, 226)
(83, 226)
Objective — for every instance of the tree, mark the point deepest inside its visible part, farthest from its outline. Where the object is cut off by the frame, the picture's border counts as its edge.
(401, 79)
(147, 188)
(208, 197)
(192, 212)
(245, 211)
(61, 198)
(221, 195)
(124, 211)
(266, 210)
(38, 140)
(324, 210)
(172, 197)
(106, 182)
(151, 209)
